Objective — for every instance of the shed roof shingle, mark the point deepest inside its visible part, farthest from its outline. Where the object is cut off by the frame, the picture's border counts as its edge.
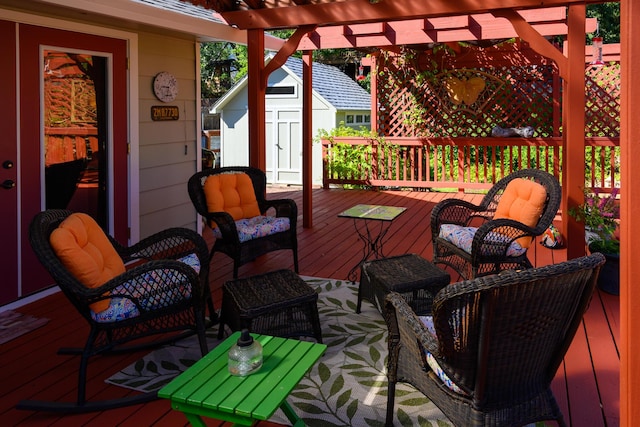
(334, 85)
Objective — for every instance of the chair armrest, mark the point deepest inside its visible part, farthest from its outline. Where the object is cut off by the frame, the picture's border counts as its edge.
(404, 322)
(226, 224)
(507, 227)
(283, 207)
(167, 282)
(454, 211)
(172, 243)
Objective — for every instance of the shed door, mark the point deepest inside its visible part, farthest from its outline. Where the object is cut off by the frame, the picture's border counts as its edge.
(284, 146)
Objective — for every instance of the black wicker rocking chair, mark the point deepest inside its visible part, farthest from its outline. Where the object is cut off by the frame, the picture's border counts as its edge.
(164, 293)
(496, 341)
(490, 250)
(229, 241)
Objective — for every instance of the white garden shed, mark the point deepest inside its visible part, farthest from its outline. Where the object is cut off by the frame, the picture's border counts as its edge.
(336, 98)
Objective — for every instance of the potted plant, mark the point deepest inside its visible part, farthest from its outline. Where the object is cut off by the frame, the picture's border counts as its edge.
(600, 214)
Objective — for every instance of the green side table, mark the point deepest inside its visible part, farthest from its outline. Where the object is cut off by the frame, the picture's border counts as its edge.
(207, 389)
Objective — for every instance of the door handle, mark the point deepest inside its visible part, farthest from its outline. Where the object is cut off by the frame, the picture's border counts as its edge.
(8, 184)
(8, 164)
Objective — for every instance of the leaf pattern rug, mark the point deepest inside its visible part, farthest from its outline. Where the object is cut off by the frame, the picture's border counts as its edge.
(348, 385)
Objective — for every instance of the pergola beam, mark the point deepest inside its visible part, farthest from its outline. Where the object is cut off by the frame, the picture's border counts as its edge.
(282, 14)
(434, 30)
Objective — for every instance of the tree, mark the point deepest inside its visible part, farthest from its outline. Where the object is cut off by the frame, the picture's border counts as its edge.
(608, 15)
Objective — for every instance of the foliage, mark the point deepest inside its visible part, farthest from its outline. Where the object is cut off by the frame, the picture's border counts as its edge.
(215, 79)
(600, 214)
(608, 15)
(348, 160)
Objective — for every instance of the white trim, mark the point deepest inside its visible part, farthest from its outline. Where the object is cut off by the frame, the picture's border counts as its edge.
(199, 127)
(18, 162)
(134, 139)
(31, 298)
(140, 13)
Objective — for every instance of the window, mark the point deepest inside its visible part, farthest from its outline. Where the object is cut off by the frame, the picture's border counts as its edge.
(360, 119)
(281, 91)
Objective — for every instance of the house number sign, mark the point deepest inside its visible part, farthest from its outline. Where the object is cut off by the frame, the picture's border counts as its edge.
(163, 112)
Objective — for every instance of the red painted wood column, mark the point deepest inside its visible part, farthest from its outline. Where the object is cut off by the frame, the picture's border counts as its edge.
(307, 139)
(257, 88)
(573, 131)
(629, 212)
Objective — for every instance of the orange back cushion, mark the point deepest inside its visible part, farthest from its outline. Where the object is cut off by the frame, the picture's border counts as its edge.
(232, 193)
(523, 201)
(87, 253)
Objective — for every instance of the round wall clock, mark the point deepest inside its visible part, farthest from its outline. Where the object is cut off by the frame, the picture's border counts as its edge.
(165, 86)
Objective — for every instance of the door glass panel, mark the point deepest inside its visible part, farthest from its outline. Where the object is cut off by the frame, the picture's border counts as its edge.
(75, 133)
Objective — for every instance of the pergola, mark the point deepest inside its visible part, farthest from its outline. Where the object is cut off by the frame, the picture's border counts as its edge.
(358, 23)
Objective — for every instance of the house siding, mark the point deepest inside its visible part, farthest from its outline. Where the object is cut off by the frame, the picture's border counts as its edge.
(168, 150)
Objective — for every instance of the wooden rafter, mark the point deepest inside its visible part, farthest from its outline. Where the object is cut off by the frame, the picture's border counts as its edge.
(273, 14)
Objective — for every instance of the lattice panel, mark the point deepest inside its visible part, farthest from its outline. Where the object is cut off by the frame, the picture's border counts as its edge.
(70, 102)
(602, 93)
(513, 93)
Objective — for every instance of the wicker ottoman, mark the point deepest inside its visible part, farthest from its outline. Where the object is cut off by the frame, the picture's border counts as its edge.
(417, 279)
(278, 303)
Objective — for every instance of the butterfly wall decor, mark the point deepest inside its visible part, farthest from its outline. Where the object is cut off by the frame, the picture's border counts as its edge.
(463, 91)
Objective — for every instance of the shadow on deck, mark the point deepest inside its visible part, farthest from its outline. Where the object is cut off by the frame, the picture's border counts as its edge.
(586, 386)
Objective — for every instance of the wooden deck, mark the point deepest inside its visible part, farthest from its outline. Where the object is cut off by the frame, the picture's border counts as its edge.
(586, 386)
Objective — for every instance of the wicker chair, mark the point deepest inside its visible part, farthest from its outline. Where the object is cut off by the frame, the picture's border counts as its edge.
(159, 294)
(499, 339)
(490, 249)
(229, 241)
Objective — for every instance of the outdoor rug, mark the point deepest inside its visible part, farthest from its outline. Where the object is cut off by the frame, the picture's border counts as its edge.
(348, 385)
(14, 324)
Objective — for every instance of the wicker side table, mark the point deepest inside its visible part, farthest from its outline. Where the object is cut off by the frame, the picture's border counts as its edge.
(417, 279)
(278, 303)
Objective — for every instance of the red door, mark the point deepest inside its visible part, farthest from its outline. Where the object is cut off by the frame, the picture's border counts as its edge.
(8, 170)
(72, 104)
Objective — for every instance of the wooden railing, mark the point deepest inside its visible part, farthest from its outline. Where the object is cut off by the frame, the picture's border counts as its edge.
(460, 163)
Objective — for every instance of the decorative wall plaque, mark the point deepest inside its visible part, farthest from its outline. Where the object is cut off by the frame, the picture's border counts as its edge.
(164, 112)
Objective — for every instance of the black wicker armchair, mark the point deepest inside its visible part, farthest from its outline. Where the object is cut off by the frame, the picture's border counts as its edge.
(488, 354)
(491, 246)
(161, 293)
(228, 240)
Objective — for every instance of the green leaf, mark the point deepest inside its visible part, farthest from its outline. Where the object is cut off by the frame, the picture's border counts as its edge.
(404, 419)
(324, 372)
(374, 353)
(337, 385)
(304, 395)
(352, 409)
(139, 365)
(343, 398)
(313, 422)
(170, 366)
(152, 367)
(308, 408)
(417, 401)
(355, 356)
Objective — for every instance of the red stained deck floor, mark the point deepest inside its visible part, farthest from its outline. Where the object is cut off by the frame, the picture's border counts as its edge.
(586, 386)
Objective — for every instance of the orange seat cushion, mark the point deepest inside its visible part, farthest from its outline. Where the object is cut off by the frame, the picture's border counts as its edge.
(523, 200)
(85, 250)
(232, 193)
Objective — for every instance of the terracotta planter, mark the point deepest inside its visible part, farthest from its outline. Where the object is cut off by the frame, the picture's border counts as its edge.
(609, 278)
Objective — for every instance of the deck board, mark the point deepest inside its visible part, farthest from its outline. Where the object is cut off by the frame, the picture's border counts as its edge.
(586, 385)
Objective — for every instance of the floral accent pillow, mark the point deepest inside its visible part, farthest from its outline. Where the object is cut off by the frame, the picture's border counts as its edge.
(462, 237)
(152, 295)
(427, 321)
(256, 227)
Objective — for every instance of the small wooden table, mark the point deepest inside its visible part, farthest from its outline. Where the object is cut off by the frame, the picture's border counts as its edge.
(372, 237)
(207, 389)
